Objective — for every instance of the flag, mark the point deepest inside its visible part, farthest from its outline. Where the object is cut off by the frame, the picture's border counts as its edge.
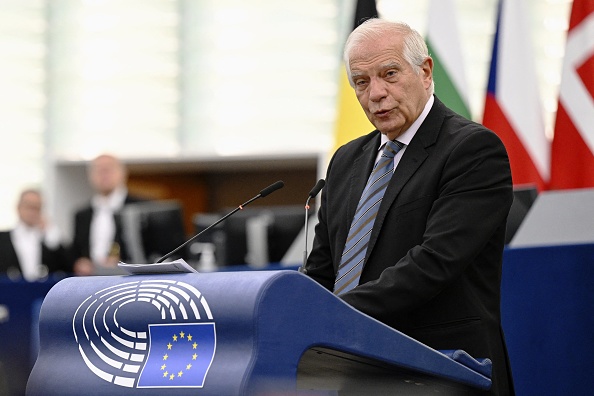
(351, 120)
(513, 108)
(448, 66)
(572, 158)
(179, 356)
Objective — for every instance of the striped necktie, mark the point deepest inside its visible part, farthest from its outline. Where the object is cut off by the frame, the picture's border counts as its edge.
(353, 256)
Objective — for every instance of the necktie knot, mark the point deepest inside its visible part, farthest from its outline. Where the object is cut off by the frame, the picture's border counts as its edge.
(391, 148)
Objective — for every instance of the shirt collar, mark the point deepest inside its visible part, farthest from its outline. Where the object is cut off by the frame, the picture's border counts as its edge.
(23, 229)
(113, 201)
(407, 136)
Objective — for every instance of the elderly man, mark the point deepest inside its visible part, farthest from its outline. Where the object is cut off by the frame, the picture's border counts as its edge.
(416, 240)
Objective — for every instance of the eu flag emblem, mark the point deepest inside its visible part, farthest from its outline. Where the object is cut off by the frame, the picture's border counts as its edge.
(179, 355)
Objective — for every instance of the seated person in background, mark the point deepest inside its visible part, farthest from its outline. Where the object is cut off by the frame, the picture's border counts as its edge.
(98, 241)
(32, 248)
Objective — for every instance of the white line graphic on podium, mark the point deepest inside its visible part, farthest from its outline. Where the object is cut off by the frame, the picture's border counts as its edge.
(151, 333)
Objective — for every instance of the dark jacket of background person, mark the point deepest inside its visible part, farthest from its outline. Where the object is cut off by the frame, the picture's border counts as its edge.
(82, 232)
(56, 260)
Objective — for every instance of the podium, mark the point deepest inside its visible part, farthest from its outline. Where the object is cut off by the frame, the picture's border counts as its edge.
(231, 333)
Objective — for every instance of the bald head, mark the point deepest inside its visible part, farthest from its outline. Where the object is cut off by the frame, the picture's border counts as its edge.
(106, 173)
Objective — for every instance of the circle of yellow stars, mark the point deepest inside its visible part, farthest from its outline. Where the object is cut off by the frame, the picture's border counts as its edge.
(175, 338)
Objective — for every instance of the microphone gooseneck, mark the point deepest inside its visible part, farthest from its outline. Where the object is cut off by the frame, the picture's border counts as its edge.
(314, 191)
(268, 190)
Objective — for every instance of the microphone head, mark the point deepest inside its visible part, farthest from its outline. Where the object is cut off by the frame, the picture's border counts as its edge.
(317, 188)
(272, 188)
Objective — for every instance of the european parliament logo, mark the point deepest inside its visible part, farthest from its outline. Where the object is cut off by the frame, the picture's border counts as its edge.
(147, 334)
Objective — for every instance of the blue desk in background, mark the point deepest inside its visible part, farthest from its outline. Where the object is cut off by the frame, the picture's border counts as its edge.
(20, 302)
(548, 318)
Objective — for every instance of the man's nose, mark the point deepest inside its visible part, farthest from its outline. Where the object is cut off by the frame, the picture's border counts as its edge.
(377, 89)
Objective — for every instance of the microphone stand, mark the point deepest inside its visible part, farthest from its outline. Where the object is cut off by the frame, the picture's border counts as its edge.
(314, 191)
(302, 268)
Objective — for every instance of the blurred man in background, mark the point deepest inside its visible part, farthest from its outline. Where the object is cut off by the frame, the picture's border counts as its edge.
(33, 248)
(98, 241)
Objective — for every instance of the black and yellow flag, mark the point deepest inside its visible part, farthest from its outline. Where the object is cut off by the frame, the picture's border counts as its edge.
(351, 121)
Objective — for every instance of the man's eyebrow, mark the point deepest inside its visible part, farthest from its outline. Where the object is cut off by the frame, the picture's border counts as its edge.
(355, 74)
(385, 66)
(390, 65)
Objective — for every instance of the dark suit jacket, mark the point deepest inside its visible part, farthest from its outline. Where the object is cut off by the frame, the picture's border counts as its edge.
(81, 245)
(433, 264)
(54, 259)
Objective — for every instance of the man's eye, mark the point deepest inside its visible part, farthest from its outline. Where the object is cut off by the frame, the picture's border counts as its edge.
(391, 73)
(360, 82)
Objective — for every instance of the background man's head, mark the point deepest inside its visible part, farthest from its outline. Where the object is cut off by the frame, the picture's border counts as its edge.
(106, 173)
(29, 207)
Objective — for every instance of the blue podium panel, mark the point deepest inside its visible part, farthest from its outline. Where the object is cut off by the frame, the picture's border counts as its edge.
(547, 311)
(233, 333)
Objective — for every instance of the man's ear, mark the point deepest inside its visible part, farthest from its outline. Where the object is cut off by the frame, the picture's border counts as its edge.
(427, 71)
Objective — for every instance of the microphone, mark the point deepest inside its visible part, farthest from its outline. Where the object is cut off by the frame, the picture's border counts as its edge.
(266, 191)
(314, 191)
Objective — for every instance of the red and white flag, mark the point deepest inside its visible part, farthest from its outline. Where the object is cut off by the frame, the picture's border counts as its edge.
(513, 108)
(572, 156)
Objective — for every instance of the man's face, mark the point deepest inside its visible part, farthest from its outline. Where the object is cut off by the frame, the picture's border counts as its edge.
(106, 174)
(29, 209)
(391, 91)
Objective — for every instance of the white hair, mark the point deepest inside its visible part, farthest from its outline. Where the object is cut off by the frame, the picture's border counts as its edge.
(415, 50)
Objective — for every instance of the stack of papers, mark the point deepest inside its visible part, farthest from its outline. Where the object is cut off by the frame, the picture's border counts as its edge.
(171, 267)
